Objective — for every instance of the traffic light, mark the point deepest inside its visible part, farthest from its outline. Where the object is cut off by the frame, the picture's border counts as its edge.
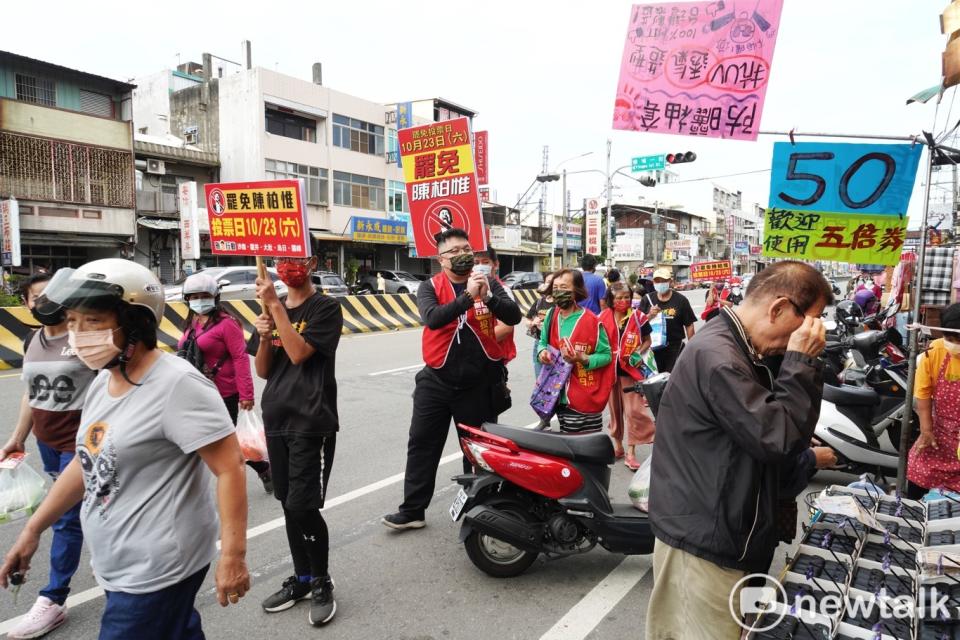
(680, 158)
(648, 181)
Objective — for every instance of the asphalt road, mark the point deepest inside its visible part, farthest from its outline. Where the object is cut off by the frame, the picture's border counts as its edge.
(412, 585)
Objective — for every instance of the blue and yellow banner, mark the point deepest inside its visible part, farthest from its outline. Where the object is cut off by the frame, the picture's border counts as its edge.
(378, 230)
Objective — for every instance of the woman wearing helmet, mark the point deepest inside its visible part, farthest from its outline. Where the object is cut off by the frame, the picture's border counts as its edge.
(219, 337)
(150, 428)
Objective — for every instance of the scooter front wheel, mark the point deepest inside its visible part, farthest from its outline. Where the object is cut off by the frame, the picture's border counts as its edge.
(495, 557)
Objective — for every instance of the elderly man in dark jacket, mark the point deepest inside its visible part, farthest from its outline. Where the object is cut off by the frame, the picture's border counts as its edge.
(726, 428)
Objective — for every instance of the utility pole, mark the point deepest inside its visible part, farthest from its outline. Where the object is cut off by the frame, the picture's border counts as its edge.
(543, 193)
(610, 257)
(563, 222)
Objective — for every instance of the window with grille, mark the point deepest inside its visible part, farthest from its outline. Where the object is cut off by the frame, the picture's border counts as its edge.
(315, 178)
(38, 90)
(57, 171)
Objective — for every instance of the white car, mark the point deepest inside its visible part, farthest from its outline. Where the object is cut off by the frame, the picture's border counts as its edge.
(236, 283)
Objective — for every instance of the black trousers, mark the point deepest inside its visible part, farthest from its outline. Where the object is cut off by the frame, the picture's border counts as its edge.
(667, 356)
(434, 404)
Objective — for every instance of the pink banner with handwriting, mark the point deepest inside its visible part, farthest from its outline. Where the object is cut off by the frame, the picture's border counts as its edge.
(697, 68)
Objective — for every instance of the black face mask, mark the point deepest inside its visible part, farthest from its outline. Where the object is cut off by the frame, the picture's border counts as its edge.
(49, 319)
(462, 264)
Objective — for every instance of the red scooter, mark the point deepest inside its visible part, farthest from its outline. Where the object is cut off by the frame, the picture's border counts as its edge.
(534, 492)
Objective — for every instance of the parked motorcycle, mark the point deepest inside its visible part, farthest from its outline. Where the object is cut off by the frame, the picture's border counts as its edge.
(861, 418)
(535, 492)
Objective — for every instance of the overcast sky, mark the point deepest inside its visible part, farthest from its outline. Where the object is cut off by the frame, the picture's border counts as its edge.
(539, 72)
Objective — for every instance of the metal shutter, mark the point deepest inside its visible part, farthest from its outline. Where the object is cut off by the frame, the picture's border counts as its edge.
(96, 104)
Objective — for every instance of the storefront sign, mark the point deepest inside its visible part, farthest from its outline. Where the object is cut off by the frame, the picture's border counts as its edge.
(741, 248)
(189, 226)
(505, 237)
(573, 235)
(258, 218)
(697, 68)
(378, 230)
(711, 270)
(593, 223)
(480, 149)
(441, 184)
(10, 222)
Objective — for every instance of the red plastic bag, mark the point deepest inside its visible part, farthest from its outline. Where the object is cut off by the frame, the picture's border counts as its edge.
(253, 443)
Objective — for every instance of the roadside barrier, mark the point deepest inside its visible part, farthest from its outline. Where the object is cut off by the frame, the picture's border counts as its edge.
(361, 314)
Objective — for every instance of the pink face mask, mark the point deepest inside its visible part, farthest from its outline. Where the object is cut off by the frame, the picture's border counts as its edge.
(94, 348)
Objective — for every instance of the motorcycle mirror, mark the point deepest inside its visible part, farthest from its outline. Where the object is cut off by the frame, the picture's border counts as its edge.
(830, 325)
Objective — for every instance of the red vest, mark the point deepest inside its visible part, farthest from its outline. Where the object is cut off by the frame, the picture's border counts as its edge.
(630, 341)
(507, 344)
(587, 391)
(437, 342)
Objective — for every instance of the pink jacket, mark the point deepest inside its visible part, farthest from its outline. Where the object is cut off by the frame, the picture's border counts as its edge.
(226, 336)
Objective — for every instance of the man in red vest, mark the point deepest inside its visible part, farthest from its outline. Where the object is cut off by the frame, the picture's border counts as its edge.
(464, 374)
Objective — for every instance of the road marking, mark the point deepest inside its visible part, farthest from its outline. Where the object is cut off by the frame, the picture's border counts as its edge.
(381, 373)
(95, 592)
(10, 375)
(584, 616)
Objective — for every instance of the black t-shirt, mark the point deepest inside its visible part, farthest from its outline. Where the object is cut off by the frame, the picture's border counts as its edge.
(301, 400)
(677, 312)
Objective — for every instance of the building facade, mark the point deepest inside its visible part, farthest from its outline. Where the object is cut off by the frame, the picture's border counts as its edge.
(264, 125)
(66, 155)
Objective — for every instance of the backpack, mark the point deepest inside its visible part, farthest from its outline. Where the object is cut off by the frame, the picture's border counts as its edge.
(190, 351)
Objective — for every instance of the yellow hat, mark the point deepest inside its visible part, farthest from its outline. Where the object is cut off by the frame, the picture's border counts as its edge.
(664, 273)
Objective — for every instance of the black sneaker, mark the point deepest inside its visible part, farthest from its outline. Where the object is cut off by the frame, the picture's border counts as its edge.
(401, 521)
(322, 605)
(267, 481)
(292, 591)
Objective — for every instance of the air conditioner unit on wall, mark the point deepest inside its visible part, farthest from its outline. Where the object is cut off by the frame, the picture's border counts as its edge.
(156, 167)
(191, 138)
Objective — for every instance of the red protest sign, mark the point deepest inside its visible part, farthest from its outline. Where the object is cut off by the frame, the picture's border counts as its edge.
(442, 190)
(258, 218)
(711, 270)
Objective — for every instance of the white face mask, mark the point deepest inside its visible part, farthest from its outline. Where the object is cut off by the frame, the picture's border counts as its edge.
(94, 348)
(952, 347)
(203, 306)
(662, 287)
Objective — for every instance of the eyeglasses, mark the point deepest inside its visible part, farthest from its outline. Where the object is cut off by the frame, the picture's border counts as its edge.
(795, 306)
(457, 251)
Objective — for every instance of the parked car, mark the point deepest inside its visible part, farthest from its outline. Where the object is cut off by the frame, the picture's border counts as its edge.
(393, 282)
(523, 279)
(236, 283)
(329, 283)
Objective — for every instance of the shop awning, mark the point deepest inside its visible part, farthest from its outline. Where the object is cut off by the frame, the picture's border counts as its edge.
(73, 239)
(326, 235)
(159, 223)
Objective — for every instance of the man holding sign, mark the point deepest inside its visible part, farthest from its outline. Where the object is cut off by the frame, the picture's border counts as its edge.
(464, 377)
(295, 348)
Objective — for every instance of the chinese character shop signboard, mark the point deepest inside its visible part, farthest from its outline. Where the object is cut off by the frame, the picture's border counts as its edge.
(441, 184)
(189, 227)
(378, 230)
(592, 222)
(480, 140)
(258, 219)
(697, 68)
(700, 271)
(840, 202)
(10, 221)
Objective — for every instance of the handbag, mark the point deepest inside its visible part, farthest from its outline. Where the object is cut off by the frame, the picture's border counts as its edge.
(500, 399)
(550, 383)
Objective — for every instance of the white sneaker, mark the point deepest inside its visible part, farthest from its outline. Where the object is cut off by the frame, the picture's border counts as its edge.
(44, 616)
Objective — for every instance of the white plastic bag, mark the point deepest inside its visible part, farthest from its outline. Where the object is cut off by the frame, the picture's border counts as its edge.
(253, 442)
(21, 488)
(639, 490)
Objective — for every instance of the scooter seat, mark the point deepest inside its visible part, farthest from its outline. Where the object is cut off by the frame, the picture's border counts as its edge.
(590, 447)
(847, 395)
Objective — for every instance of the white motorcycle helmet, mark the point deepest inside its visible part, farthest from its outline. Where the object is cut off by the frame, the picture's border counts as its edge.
(201, 283)
(103, 285)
